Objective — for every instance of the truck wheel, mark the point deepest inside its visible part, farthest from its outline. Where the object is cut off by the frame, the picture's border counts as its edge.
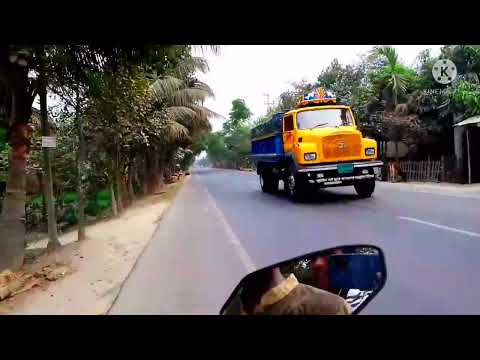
(268, 183)
(295, 190)
(365, 188)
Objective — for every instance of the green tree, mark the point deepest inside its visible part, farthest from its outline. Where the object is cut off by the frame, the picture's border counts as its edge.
(342, 80)
(238, 116)
(467, 94)
(230, 147)
(349, 84)
(217, 149)
(392, 80)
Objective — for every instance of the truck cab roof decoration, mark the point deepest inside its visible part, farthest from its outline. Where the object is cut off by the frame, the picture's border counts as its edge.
(317, 97)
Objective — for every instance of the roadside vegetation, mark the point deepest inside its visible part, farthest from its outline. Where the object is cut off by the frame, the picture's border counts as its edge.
(230, 147)
(126, 121)
(391, 100)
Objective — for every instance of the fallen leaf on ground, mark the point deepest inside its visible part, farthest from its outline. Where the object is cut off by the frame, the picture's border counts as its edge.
(32, 282)
(14, 283)
(4, 292)
(6, 276)
(17, 284)
(55, 271)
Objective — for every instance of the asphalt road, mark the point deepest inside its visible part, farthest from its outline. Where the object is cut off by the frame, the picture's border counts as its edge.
(221, 226)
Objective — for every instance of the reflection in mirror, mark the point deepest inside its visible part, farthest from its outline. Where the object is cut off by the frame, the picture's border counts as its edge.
(337, 281)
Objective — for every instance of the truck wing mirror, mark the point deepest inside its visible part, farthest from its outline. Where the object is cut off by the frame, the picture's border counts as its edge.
(341, 280)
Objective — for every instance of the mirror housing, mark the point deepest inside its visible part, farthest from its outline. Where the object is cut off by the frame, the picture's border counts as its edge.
(340, 280)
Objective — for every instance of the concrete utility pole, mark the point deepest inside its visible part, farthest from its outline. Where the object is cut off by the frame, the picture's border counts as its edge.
(267, 102)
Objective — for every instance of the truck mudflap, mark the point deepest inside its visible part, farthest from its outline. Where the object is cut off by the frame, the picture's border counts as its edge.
(342, 174)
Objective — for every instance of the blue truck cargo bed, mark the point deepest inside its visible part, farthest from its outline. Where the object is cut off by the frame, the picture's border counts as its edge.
(274, 125)
(267, 140)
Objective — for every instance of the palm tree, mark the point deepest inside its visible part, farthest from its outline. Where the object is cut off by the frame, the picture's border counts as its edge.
(184, 98)
(181, 98)
(393, 78)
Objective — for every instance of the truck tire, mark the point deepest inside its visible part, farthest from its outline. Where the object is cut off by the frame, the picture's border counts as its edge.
(295, 190)
(268, 183)
(365, 188)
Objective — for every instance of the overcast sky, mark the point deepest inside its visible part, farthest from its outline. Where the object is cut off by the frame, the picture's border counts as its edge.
(250, 71)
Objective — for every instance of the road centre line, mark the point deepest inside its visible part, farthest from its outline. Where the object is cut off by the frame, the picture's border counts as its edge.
(239, 249)
(443, 227)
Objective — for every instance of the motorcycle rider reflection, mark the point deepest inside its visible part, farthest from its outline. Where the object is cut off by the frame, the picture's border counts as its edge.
(270, 293)
(321, 273)
(353, 275)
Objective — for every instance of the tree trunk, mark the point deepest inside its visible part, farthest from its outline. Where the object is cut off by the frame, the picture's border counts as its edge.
(51, 216)
(145, 175)
(118, 192)
(397, 162)
(131, 177)
(41, 181)
(12, 219)
(151, 173)
(124, 186)
(155, 180)
(137, 176)
(117, 180)
(114, 201)
(158, 173)
(81, 176)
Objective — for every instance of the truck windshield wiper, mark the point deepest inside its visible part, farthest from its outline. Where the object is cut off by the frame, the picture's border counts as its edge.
(319, 125)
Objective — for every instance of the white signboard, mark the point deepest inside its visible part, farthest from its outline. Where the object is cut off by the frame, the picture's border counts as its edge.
(49, 141)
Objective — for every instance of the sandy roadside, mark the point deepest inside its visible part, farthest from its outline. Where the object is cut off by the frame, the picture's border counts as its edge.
(99, 265)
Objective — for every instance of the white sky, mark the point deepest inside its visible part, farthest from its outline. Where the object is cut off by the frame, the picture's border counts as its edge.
(249, 71)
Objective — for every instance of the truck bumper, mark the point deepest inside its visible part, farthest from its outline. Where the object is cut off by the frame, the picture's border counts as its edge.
(328, 175)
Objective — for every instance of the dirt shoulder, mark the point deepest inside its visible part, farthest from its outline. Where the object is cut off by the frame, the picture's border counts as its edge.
(97, 267)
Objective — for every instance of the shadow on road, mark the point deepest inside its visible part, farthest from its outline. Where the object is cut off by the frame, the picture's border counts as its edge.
(204, 170)
(325, 196)
(320, 197)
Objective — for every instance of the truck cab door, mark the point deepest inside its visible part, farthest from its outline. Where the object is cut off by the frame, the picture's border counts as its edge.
(288, 133)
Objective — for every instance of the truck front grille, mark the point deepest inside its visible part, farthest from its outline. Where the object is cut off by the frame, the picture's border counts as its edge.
(342, 146)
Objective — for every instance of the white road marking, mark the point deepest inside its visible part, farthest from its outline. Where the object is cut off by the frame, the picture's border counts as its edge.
(239, 249)
(460, 231)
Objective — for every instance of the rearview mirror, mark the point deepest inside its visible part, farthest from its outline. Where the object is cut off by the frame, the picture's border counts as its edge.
(336, 281)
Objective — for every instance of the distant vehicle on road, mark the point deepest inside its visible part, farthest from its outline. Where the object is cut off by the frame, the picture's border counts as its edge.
(316, 144)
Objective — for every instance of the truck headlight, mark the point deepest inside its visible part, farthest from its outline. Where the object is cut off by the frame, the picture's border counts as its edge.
(310, 156)
(370, 151)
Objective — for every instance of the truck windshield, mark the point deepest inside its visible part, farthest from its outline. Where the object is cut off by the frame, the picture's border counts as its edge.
(324, 118)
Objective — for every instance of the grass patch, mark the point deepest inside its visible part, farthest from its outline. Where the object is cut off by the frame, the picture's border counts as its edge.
(95, 205)
(37, 201)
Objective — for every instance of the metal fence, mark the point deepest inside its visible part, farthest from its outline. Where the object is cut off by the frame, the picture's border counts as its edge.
(421, 171)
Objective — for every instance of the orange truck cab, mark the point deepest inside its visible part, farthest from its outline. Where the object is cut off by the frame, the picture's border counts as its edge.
(316, 144)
